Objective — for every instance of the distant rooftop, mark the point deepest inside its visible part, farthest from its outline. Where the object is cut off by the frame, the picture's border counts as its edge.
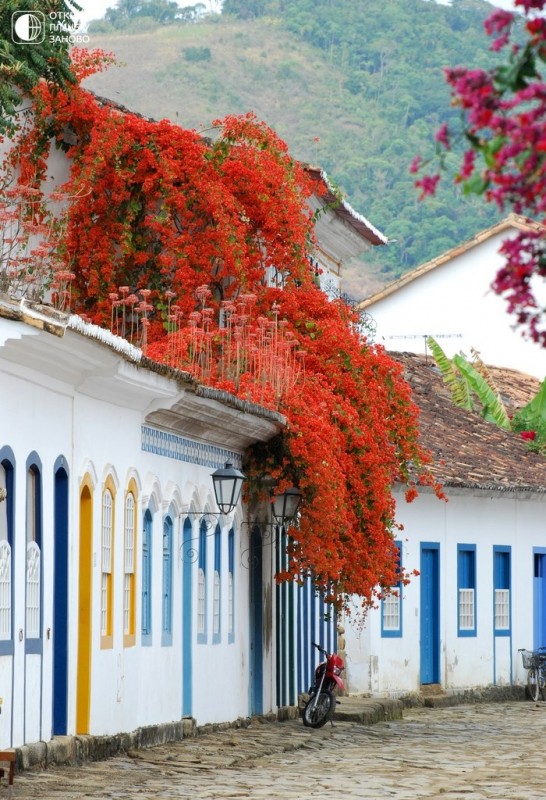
(467, 451)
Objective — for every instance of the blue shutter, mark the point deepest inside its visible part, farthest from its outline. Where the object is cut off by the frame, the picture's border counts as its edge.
(147, 578)
(166, 628)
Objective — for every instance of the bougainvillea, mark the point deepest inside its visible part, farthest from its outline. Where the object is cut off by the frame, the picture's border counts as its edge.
(163, 221)
(504, 128)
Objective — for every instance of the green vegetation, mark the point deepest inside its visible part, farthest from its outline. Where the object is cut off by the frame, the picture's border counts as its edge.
(137, 15)
(30, 55)
(356, 88)
(473, 388)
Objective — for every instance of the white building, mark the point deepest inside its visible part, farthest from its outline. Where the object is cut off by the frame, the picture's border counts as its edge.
(480, 594)
(122, 603)
(450, 299)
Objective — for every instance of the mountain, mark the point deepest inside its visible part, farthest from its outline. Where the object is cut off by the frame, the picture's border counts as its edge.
(354, 86)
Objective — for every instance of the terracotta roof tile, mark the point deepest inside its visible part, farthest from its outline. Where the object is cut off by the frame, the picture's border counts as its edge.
(467, 451)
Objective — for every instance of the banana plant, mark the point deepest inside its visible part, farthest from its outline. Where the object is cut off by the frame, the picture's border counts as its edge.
(533, 418)
(454, 380)
(493, 409)
(466, 381)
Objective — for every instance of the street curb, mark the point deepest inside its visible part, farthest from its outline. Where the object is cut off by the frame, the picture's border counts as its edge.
(362, 710)
(370, 712)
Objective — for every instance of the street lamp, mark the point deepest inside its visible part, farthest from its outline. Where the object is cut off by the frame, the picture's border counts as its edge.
(227, 483)
(285, 506)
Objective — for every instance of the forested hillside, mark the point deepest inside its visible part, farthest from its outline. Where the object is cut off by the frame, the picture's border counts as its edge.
(355, 86)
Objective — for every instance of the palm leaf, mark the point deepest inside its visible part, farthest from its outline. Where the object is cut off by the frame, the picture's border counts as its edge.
(493, 409)
(454, 380)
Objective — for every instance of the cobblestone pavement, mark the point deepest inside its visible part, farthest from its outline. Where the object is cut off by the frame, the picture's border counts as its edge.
(474, 752)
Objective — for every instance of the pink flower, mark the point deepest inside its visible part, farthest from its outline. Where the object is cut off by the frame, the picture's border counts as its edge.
(427, 184)
(415, 165)
(498, 22)
(528, 5)
(442, 135)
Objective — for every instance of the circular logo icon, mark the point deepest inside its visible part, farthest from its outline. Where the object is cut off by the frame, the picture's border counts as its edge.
(28, 27)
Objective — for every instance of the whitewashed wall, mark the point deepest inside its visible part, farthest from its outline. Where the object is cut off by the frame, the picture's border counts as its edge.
(131, 686)
(454, 303)
(392, 665)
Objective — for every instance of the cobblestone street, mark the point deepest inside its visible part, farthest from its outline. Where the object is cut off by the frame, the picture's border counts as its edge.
(472, 752)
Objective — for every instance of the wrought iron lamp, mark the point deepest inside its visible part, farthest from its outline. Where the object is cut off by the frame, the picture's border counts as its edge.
(227, 483)
(285, 506)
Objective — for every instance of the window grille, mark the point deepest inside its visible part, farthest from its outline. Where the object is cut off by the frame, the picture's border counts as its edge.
(391, 612)
(231, 617)
(216, 603)
(201, 612)
(33, 591)
(128, 578)
(5, 590)
(106, 563)
(466, 609)
(502, 609)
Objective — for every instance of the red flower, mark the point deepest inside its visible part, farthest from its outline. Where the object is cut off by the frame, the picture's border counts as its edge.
(152, 205)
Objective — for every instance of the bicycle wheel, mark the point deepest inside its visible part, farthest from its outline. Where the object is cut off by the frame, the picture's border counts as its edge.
(541, 678)
(533, 687)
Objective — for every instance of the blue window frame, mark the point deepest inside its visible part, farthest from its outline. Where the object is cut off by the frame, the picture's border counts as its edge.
(391, 605)
(202, 585)
(167, 606)
(146, 621)
(217, 590)
(231, 586)
(502, 594)
(466, 590)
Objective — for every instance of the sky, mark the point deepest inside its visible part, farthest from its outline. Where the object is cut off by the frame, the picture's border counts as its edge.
(94, 9)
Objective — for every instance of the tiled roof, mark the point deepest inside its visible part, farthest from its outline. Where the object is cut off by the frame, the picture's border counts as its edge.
(467, 451)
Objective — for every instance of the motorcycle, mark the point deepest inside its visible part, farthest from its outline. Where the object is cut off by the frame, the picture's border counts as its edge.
(322, 695)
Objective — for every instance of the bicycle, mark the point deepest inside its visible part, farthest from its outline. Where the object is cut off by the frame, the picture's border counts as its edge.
(535, 662)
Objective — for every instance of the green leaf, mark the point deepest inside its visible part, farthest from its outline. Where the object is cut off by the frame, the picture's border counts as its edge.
(533, 416)
(457, 384)
(493, 409)
(477, 184)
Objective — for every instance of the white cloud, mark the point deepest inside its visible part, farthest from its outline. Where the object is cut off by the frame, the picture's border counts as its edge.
(94, 9)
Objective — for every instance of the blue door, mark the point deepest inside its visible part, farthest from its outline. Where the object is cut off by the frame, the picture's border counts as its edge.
(256, 622)
(539, 597)
(187, 618)
(60, 604)
(430, 612)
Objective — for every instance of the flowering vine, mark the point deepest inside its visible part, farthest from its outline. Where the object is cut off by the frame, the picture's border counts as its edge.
(170, 231)
(504, 129)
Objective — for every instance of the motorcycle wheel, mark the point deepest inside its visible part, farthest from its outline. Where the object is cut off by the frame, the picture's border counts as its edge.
(323, 711)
